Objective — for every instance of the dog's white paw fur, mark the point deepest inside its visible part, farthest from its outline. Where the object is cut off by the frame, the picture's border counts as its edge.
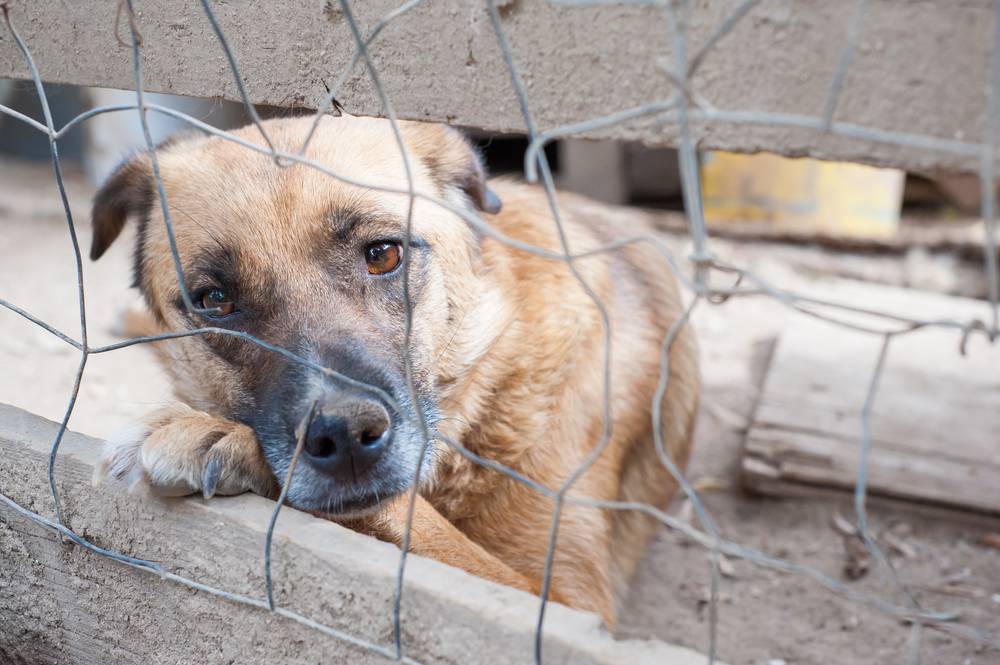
(120, 458)
(178, 451)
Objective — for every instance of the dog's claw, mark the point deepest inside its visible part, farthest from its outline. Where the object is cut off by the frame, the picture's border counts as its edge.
(210, 477)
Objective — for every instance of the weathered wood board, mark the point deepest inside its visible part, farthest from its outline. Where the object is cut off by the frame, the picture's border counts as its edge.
(935, 422)
(63, 605)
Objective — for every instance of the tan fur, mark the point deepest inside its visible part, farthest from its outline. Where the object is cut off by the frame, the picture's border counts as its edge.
(512, 343)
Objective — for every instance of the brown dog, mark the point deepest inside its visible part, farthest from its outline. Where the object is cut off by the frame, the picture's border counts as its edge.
(506, 348)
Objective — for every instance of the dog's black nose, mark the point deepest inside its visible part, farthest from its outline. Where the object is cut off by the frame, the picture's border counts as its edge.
(348, 435)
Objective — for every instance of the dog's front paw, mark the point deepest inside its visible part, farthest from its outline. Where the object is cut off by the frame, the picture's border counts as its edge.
(178, 451)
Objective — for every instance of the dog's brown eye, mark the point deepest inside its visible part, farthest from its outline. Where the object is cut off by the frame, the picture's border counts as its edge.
(218, 300)
(382, 257)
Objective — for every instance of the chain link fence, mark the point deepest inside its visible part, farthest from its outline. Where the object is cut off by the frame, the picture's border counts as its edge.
(709, 280)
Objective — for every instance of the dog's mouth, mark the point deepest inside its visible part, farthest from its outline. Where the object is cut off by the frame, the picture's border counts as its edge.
(347, 509)
(320, 495)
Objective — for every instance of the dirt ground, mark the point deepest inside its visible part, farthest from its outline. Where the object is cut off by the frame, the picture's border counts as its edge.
(765, 617)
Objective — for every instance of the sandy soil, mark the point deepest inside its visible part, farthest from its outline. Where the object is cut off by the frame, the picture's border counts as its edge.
(764, 616)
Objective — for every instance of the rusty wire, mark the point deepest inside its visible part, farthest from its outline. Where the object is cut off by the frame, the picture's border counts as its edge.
(683, 108)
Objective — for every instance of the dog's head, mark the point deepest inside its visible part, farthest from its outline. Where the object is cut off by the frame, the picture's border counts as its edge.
(314, 265)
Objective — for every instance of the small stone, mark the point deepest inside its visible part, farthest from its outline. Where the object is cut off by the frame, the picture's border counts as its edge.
(992, 540)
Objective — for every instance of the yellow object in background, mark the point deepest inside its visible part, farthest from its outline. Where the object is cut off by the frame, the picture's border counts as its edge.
(802, 195)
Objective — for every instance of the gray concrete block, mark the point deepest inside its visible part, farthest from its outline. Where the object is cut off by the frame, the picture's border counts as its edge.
(919, 67)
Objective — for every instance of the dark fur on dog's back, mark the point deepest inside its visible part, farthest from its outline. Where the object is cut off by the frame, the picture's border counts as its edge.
(506, 349)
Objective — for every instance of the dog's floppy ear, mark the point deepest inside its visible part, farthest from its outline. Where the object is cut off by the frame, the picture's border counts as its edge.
(454, 162)
(128, 191)
(471, 178)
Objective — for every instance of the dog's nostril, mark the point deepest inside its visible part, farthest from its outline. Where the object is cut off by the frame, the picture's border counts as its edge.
(371, 437)
(322, 446)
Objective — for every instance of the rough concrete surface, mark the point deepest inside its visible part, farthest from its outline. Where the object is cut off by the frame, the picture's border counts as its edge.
(763, 616)
(919, 66)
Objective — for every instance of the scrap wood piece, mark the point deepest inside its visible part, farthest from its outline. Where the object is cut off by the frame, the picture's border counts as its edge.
(935, 425)
(964, 236)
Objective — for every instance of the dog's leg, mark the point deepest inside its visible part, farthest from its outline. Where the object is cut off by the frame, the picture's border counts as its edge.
(435, 537)
(178, 451)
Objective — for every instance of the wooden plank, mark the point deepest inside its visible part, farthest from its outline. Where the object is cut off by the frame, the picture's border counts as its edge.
(964, 236)
(935, 423)
(63, 605)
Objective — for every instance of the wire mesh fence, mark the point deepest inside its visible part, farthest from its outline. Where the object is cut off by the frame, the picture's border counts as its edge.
(710, 282)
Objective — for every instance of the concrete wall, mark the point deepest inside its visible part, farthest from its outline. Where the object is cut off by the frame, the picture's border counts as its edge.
(920, 66)
(63, 605)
